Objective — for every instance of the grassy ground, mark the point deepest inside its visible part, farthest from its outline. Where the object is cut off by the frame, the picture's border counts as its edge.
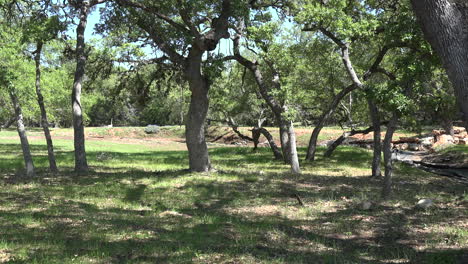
(139, 205)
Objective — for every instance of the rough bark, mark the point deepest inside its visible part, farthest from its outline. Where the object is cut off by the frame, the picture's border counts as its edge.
(445, 26)
(28, 161)
(199, 160)
(40, 100)
(81, 164)
(377, 144)
(256, 131)
(387, 151)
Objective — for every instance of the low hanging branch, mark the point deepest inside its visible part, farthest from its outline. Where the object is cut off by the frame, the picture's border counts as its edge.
(346, 135)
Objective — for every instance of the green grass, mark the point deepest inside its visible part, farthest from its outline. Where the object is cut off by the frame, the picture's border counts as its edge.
(139, 205)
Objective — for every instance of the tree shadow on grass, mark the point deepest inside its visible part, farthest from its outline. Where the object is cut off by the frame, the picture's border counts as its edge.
(69, 229)
(115, 215)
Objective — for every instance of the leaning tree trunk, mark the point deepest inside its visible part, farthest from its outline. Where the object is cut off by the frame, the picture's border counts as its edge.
(445, 25)
(387, 150)
(81, 164)
(312, 148)
(40, 100)
(22, 134)
(199, 159)
(377, 142)
(257, 131)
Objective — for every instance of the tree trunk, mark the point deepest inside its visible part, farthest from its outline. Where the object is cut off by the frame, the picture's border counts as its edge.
(40, 100)
(312, 148)
(81, 164)
(377, 144)
(255, 137)
(276, 107)
(295, 168)
(445, 25)
(337, 142)
(448, 127)
(256, 131)
(22, 134)
(285, 140)
(288, 145)
(387, 150)
(199, 159)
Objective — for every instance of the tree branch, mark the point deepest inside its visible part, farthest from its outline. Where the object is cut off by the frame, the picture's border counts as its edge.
(153, 11)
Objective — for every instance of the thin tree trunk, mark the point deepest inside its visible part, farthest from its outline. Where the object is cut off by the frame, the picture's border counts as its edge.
(276, 107)
(285, 140)
(387, 150)
(294, 159)
(356, 84)
(40, 100)
(255, 137)
(377, 144)
(28, 161)
(81, 164)
(445, 25)
(312, 148)
(199, 159)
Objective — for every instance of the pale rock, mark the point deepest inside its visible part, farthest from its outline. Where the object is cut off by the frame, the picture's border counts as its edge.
(404, 146)
(459, 130)
(444, 139)
(173, 214)
(414, 147)
(424, 203)
(463, 134)
(427, 141)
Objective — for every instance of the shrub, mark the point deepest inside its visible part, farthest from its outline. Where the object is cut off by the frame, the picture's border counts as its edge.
(151, 129)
